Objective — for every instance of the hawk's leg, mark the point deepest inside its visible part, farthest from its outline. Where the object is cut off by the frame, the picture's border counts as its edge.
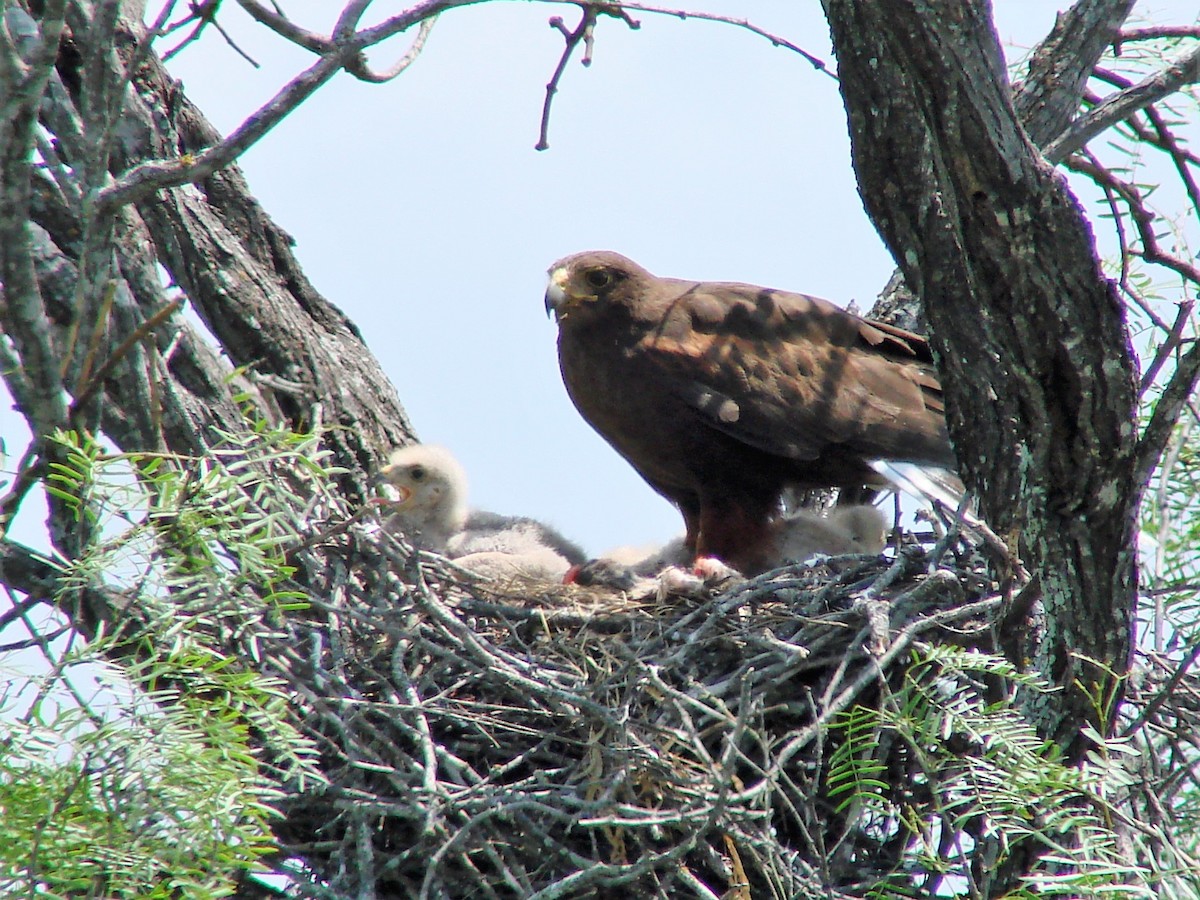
(737, 533)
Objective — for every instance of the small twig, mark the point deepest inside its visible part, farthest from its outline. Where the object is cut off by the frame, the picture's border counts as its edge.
(583, 32)
(1164, 693)
(1188, 587)
(1169, 346)
(1170, 404)
(85, 392)
(867, 675)
(1155, 32)
(206, 13)
(1180, 156)
(1124, 253)
(554, 618)
(776, 41)
(367, 509)
(29, 470)
(98, 329)
(19, 610)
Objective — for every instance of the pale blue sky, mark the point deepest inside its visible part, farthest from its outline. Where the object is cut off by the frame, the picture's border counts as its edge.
(421, 208)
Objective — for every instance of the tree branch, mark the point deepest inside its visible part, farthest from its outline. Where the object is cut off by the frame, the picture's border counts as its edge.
(94, 381)
(1184, 70)
(148, 177)
(28, 572)
(286, 28)
(1059, 67)
(776, 40)
(1154, 33)
(1143, 218)
(582, 33)
(24, 75)
(1168, 408)
(360, 70)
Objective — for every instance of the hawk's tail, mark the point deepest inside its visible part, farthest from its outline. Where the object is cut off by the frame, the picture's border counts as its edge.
(937, 485)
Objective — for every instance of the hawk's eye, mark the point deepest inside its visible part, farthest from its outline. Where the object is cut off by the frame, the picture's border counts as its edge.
(599, 278)
(417, 473)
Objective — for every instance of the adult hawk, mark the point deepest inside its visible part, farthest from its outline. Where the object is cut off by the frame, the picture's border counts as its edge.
(721, 395)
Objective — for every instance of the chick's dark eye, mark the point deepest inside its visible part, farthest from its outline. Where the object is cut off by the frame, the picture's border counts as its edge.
(599, 278)
(417, 472)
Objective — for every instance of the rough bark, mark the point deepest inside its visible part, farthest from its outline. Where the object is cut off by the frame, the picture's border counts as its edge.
(1029, 334)
(1047, 100)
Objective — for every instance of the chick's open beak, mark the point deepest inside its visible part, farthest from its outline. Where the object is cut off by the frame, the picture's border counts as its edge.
(394, 494)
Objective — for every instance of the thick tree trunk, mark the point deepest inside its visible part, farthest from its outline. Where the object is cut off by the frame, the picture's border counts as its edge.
(1030, 335)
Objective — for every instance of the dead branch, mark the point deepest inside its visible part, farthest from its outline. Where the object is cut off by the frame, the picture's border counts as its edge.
(1168, 80)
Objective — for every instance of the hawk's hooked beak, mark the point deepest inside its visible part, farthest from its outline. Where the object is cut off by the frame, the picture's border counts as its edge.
(556, 293)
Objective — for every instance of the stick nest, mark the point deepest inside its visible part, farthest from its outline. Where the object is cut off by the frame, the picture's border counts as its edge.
(531, 740)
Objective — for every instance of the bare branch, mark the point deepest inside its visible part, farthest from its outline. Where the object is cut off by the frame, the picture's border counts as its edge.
(24, 74)
(149, 177)
(1184, 70)
(1164, 693)
(205, 12)
(1048, 99)
(360, 70)
(87, 389)
(1179, 153)
(285, 27)
(776, 41)
(375, 34)
(1181, 157)
(1155, 32)
(344, 51)
(1143, 217)
(1168, 347)
(1175, 395)
(582, 32)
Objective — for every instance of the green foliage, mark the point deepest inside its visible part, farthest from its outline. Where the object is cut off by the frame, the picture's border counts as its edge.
(855, 774)
(143, 800)
(988, 785)
(207, 532)
(71, 478)
(144, 763)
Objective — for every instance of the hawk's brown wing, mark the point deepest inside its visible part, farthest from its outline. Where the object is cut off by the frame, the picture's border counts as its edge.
(797, 376)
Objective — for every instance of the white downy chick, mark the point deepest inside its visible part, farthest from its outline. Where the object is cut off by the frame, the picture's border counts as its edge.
(430, 507)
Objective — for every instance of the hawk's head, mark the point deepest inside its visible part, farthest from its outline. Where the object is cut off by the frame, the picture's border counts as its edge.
(584, 279)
